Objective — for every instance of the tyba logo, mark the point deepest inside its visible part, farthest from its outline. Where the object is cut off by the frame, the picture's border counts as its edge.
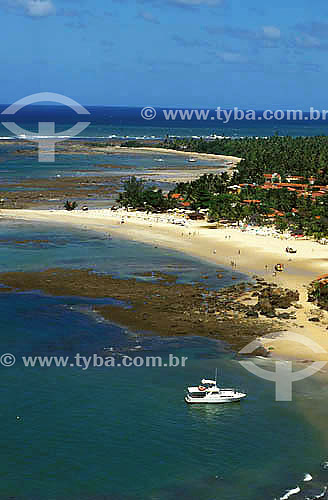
(46, 136)
(283, 376)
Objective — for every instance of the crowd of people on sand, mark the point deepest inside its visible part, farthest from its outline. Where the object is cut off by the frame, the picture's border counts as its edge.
(190, 230)
(180, 218)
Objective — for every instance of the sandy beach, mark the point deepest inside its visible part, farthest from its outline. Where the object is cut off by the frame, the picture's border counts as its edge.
(206, 156)
(179, 175)
(246, 252)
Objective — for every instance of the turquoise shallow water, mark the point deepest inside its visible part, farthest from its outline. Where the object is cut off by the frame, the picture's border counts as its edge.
(126, 433)
(35, 246)
(15, 167)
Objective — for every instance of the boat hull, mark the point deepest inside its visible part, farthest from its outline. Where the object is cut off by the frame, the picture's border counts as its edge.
(212, 402)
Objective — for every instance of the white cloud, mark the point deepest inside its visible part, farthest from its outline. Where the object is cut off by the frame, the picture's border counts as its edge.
(231, 57)
(197, 3)
(271, 32)
(39, 8)
(33, 8)
(267, 33)
(308, 42)
(148, 17)
(186, 4)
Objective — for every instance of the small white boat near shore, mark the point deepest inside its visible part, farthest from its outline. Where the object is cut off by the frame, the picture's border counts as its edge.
(192, 160)
(209, 392)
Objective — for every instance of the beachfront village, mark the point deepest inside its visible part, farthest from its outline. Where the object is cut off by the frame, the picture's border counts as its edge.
(267, 192)
(280, 182)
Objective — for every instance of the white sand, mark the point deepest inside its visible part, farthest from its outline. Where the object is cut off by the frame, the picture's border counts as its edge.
(174, 176)
(251, 254)
(206, 156)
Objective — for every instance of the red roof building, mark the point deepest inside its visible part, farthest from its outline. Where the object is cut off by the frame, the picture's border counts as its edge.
(290, 178)
(272, 177)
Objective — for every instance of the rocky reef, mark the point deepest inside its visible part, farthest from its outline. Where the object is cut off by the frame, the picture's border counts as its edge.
(236, 314)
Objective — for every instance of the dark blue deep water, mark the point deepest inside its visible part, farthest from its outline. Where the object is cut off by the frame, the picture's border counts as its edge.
(110, 121)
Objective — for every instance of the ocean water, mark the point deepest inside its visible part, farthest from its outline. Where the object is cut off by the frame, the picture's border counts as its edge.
(115, 433)
(120, 122)
(15, 167)
(126, 433)
(25, 246)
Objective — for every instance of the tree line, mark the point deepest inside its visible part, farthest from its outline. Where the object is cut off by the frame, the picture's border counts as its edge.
(301, 213)
(303, 156)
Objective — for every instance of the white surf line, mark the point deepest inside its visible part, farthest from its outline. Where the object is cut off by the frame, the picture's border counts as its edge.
(290, 493)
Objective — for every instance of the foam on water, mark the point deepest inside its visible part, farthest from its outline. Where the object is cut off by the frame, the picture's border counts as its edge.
(289, 493)
(322, 494)
(309, 491)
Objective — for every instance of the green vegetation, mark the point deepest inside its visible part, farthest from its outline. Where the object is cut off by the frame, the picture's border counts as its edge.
(279, 207)
(70, 205)
(318, 293)
(300, 205)
(97, 144)
(133, 144)
(304, 156)
(140, 197)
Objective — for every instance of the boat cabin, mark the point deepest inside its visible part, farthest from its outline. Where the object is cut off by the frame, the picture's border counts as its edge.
(209, 392)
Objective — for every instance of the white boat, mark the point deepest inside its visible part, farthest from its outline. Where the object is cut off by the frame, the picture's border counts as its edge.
(209, 392)
(214, 136)
(192, 160)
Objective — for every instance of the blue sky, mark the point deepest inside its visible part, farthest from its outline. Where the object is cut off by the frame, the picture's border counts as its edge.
(195, 53)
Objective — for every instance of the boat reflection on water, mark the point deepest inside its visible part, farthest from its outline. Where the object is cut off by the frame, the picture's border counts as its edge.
(212, 412)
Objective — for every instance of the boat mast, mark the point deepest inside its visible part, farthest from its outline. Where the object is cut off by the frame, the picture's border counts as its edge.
(216, 375)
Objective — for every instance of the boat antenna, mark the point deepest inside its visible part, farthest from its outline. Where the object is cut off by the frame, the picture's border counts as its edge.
(216, 375)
